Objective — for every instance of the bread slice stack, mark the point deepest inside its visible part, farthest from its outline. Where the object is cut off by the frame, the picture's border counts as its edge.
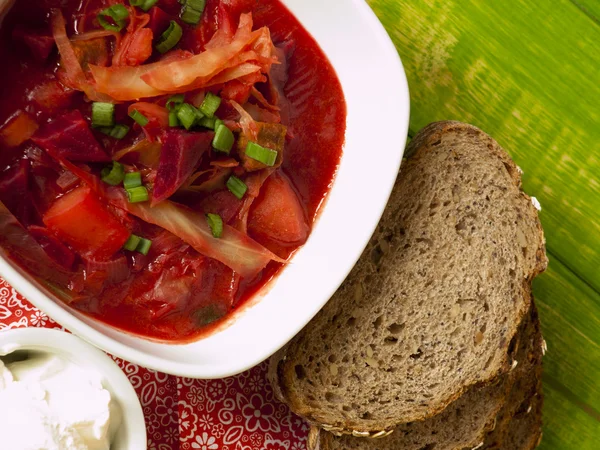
(433, 340)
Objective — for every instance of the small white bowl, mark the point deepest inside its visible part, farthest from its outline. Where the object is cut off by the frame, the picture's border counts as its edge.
(131, 435)
(377, 98)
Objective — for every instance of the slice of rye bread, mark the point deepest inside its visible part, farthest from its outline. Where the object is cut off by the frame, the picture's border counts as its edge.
(524, 396)
(525, 431)
(465, 422)
(434, 301)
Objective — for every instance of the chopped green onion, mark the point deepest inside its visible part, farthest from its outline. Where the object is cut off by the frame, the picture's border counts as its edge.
(223, 140)
(137, 194)
(192, 11)
(103, 114)
(198, 5)
(118, 131)
(113, 174)
(216, 224)
(174, 102)
(144, 246)
(139, 118)
(208, 122)
(199, 115)
(117, 13)
(132, 180)
(187, 115)
(169, 38)
(261, 154)
(173, 119)
(132, 242)
(236, 186)
(144, 5)
(210, 104)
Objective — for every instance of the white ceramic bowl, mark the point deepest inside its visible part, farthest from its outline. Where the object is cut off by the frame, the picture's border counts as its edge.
(131, 435)
(376, 93)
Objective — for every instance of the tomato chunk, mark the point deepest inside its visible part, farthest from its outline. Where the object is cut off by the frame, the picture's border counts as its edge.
(277, 214)
(135, 48)
(81, 220)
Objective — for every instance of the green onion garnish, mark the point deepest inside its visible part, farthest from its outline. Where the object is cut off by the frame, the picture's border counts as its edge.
(113, 174)
(113, 17)
(132, 242)
(223, 140)
(169, 38)
(103, 114)
(139, 118)
(137, 194)
(236, 186)
(173, 119)
(210, 105)
(174, 102)
(144, 246)
(261, 154)
(192, 11)
(144, 5)
(199, 115)
(132, 180)
(187, 115)
(118, 131)
(216, 224)
(208, 122)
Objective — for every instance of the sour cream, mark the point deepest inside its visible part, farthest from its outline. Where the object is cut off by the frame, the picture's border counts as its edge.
(47, 402)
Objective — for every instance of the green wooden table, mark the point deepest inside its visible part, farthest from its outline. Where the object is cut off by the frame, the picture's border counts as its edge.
(528, 73)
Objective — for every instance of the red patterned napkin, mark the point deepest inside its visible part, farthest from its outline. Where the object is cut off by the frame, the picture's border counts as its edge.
(236, 413)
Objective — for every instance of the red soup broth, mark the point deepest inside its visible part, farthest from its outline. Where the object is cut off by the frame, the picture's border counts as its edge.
(52, 154)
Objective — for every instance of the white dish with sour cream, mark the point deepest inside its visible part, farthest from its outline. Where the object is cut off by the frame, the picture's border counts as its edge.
(58, 392)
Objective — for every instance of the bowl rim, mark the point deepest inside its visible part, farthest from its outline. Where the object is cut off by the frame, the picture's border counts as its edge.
(85, 355)
(38, 295)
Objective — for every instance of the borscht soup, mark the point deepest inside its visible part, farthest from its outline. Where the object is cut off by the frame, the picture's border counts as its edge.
(162, 160)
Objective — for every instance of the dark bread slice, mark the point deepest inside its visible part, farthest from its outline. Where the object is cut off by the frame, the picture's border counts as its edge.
(464, 423)
(525, 431)
(524, 396)
(434, 301)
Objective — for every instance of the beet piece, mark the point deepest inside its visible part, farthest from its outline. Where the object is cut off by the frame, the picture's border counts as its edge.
(39, 44)
(69, 137)
(14, 191)
(55, 249)
(52, 95)
(179, 157)
(159, 21)
(223, 203)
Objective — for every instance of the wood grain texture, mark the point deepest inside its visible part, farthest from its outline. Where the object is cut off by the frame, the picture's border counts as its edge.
(528, 73)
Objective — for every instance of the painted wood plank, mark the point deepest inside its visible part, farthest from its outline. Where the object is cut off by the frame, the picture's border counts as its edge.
(527, 73)
(570, 314)
(589, 7)
(566, 427)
